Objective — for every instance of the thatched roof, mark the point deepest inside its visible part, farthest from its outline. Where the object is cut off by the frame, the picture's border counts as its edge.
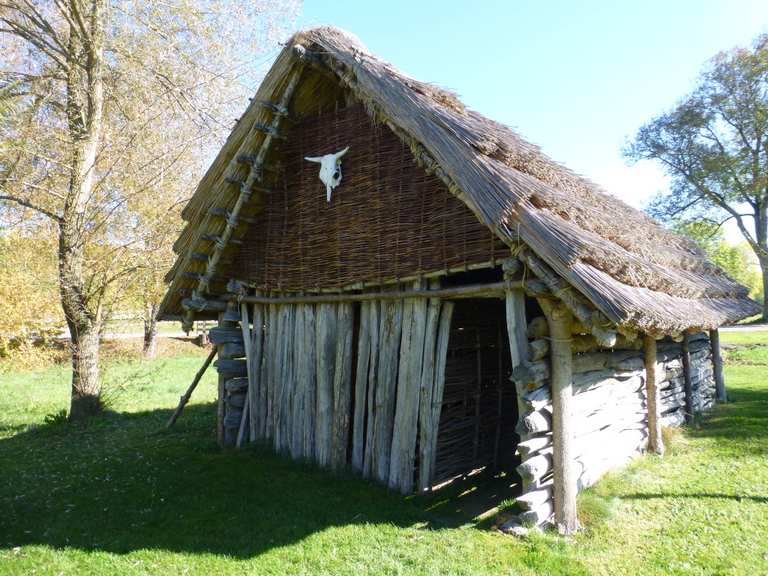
(635, 272)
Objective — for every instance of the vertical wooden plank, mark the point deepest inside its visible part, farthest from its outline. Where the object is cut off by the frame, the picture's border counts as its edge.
(516, 327)
(427, 426)
(310, 392)
(564, 483)
(390, 331)
(361, 387)
(653, 401)
(325, 352)
(299, 361)
(717, 366)
(441, 357)
(288, 378)
(278, 379)
(268, 372)
(518, 341)
(245, 326)
(342, 385)
(257, 337)
(687, 383)
(404, 436)
(373, 334)
(220, 403)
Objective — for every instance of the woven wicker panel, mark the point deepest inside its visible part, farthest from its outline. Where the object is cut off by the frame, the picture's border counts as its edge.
(476, 418)
(388, 219)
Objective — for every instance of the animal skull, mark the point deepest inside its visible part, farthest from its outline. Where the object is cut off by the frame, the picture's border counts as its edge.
(330, 169)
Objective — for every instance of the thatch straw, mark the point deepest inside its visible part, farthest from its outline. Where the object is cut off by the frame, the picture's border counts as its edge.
(633, 270)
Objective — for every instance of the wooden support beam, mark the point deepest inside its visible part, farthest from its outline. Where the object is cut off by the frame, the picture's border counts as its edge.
(246, 187)
(717, 366)
(494, 290)
(227, 215)
(272, 107)
(687, 384)
(201, 304)
(655, 442)
(184, 399)
(591, 318)
(565, 489)
(219, 241)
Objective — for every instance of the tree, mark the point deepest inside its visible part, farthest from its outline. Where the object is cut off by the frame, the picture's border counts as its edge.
(734, 259)
(97, 81)
(714, 146)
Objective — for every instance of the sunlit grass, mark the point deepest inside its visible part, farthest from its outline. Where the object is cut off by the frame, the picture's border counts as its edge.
(123, 496)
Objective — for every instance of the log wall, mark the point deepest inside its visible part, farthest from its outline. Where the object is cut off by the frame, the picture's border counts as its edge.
(344, 384)
(609, 408)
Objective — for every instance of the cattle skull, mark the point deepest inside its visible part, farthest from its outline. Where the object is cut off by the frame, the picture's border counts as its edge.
(330, 170)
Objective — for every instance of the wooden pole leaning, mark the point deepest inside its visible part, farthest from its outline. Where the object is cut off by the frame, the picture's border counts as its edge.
(184, 399)
(559, 319)
(653, 401)
(717, 366)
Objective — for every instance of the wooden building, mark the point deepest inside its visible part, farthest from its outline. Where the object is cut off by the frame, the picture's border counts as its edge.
(457, 301)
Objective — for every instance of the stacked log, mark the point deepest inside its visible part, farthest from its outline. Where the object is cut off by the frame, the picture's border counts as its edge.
(673, 398)
(609, 415)
(232, 369)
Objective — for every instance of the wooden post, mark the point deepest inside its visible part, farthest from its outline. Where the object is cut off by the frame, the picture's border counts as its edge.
(220, 401)
(717, 365)
(516, 325)
(361, 387)
(559, 319)
(655, 442)
(245, 326)
(687, 384)
(185, 397)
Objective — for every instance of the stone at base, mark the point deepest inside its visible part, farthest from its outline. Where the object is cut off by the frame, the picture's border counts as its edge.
(515, 527)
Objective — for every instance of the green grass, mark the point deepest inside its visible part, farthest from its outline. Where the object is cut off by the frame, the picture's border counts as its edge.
(122, 496)
(742, 337)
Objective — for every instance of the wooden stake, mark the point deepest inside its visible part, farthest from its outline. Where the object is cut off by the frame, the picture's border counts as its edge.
(245, 325)
(361, 387)
(655, 442)
(717, 366)
(342, 386)
(195, 381)
(687, 385)
(559, 319)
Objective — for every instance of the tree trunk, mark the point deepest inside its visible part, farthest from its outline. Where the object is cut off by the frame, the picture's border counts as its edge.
(80, 302)
(764, 272)
(86, 387)
(150, 332)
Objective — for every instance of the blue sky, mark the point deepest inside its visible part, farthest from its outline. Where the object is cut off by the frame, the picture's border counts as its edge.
(576, 77)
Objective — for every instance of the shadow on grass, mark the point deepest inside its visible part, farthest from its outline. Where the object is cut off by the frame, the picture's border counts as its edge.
(119, 485)
(744, 416)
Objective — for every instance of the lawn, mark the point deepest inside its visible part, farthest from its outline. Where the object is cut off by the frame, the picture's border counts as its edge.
(123, 496)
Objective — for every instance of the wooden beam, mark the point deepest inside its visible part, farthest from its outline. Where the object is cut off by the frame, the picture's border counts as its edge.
(717, 365)
(195, 381)
(655, 442)
(565, 489)
(494, 290)
(594, 320)
(687, 384)
(246, 187)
